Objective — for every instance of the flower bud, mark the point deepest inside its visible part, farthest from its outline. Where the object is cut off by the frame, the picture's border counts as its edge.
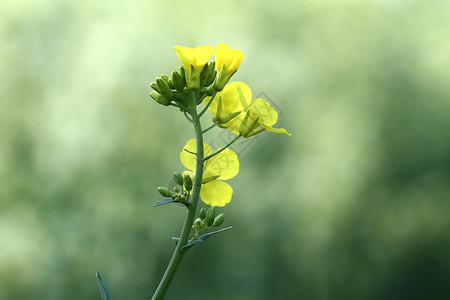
(154, 86)
(210, 215)
(164, 88)
(202, 213)
(178, 81)
(160, 98)
(182, 73)
(176, 190)
(178, 178)
(197, 223)
(164, 192)
(187, 182)
(212, 74)
(207, 73)
(218, 220)
(165, 78)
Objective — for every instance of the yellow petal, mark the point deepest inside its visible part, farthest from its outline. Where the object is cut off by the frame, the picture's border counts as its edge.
(188, 159)
(225, 164)
(237, 60)
(216, 193)
(222, 56)
(202, 54)
(236, 96)
(232, 100)
(276, 130)
(230, 58)
(261, 108)
(185, 55)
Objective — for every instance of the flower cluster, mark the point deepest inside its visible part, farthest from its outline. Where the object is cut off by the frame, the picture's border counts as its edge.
(202, 80)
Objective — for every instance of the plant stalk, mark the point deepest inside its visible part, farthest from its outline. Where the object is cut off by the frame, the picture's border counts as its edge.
(189, 220)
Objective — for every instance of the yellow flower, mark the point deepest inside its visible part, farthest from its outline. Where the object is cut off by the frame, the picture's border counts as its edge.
(258, 114)
(194, 60)
(222, 166)
(227, 63)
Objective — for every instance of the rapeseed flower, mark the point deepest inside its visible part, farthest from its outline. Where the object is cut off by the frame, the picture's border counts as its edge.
(194, 60)
(223, 166)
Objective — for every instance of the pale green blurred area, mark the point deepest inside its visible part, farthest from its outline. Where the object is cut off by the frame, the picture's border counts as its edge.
(354, 205)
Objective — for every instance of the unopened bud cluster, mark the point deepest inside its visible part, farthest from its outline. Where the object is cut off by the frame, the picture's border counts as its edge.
(207, 219)
(174, 89)
(185, 183)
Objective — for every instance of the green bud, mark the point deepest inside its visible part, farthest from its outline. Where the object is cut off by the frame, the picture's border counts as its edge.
(178, 178)
(165, 78)
(212, 73)
(178, 81)
(154, 86)
(160, 98)
(202, 213)
(210, 215)
(165, 192)
(170, 82)
(176, 190)
(218, 220)
(207, 73)
(198, 223)
(187, 182)
(164, 88)
(182, 73)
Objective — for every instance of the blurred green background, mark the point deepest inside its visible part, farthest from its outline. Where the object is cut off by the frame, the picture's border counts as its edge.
(355, 205)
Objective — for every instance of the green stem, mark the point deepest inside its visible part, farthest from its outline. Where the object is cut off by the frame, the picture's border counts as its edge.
(207, 105)
(211, 127)
(223, 148)
(187, 227)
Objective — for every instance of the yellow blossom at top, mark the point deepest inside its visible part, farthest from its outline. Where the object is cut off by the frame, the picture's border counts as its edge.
(227, 63)
(257, 115)
(223, 166)
(197, 58)
(230, 59)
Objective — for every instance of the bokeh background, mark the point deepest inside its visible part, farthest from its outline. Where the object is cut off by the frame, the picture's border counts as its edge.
(355, 205)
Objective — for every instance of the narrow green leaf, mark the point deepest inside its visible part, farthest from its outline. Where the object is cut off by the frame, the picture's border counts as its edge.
(164, 201)
(200, 239)
(170, 200)
(204, 237)
(103, 290)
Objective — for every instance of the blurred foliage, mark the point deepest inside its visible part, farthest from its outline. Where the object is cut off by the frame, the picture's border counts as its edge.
(354, 205)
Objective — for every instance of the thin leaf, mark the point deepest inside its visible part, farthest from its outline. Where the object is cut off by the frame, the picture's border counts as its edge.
(200, 239)
(204, 237)
(164, 201)
(103, 290)
(170, 200)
